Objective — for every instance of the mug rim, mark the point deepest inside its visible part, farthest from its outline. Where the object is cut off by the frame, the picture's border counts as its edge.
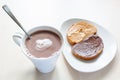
(32, 30)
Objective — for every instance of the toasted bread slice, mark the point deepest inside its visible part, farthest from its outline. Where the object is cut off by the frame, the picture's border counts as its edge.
(88, 49)
(80, 31)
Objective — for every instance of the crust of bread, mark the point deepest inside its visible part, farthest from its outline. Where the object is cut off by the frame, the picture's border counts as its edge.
(80, 31)
(87, 58)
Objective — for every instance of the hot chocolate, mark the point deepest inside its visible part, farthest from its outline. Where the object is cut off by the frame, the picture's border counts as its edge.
(43, 43)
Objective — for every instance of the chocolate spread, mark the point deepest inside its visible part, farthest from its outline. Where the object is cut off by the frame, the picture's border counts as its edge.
(88, 48)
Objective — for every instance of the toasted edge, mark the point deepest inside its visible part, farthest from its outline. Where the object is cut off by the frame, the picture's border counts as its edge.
(88, 58)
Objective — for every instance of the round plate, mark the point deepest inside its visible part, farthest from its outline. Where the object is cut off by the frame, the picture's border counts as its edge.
(109, 51)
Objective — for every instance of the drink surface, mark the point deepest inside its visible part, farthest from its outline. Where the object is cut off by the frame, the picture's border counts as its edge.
(43, 43)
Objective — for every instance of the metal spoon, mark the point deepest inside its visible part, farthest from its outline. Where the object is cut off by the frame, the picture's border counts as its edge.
(7, 10)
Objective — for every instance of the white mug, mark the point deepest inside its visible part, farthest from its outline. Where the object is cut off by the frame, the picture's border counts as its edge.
(44, 65)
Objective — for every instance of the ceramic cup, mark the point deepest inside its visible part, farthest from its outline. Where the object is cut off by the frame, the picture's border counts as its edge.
(44, 65)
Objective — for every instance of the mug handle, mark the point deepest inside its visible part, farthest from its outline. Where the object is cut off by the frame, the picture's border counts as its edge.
(17, 38)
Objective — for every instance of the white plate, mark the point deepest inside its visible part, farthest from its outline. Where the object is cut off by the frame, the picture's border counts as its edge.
(110, 48)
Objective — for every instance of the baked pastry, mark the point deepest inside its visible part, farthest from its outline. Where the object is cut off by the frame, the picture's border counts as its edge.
(80, 31)
(88, 49)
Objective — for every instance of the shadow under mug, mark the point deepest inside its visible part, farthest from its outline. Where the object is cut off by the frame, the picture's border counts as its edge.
(44, 65)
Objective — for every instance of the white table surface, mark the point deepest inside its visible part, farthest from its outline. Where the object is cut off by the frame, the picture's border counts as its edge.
(15, 66)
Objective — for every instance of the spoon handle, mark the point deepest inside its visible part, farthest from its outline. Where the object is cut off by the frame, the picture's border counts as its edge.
(7, 10)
